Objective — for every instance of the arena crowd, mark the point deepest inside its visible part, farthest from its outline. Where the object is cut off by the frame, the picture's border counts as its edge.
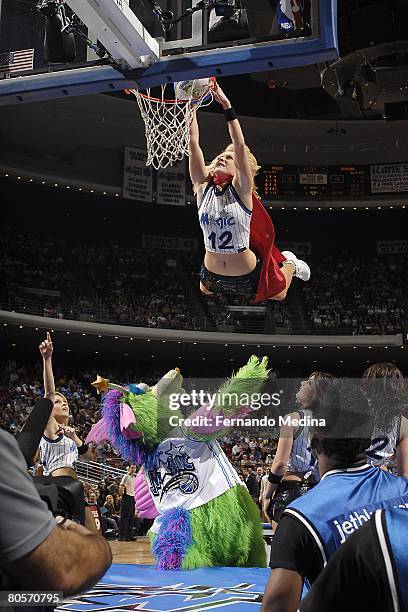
(122, 284)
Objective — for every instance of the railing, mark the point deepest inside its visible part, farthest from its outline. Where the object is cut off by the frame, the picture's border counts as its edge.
(203, 324)
(184, 335)
(92, 472)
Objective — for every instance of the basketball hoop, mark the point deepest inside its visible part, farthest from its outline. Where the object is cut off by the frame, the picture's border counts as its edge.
(167, 120)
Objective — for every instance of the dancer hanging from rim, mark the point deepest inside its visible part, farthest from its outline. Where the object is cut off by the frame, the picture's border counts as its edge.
(241, 257)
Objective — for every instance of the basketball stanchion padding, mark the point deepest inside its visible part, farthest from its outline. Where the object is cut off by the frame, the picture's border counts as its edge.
(167, 120)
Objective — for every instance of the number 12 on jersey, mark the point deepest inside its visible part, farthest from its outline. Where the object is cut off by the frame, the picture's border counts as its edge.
(224, 240)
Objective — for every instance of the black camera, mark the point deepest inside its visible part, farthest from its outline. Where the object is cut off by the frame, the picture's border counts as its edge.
(63, 495)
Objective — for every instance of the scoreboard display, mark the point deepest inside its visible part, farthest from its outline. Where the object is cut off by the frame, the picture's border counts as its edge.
(314, 181)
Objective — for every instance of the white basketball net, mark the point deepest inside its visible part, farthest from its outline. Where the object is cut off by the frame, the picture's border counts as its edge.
(167, 125)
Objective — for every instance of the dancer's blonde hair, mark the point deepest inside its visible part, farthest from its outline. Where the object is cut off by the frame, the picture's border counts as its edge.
(253, 164)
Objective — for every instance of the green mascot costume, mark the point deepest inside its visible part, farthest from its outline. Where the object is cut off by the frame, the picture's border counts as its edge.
(204, 514)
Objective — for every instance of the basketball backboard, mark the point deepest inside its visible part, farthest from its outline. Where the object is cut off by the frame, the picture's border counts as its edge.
(143, 43)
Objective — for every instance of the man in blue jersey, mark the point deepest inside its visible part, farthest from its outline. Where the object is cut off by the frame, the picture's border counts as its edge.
(314, 526)
(370, 571)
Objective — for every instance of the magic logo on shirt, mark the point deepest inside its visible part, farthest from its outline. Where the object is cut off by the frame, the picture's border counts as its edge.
(221, 222)
(173, 469)
(344, 525)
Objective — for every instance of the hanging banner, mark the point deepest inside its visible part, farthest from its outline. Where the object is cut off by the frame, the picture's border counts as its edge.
(171, 185)
(137, 177)
(389, 178)
(391, 247)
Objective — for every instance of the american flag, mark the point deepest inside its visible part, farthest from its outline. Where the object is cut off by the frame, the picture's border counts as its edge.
(17, 61)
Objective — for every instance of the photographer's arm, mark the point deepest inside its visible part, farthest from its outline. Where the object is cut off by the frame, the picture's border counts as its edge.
(30, 541)
(85, 560)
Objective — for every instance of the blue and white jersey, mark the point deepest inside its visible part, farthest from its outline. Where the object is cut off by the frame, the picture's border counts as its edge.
(59, 453)
(224, 220)
(343, 501)
(188, 473)
(392, 532)
(300, 458)
(384, 444)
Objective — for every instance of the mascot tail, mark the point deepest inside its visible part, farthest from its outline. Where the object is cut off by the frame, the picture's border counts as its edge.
(171, 544)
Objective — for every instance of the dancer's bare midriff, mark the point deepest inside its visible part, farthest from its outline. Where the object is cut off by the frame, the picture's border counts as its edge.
(234, 264)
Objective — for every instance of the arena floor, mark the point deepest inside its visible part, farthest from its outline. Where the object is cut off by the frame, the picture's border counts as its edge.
(131, 584)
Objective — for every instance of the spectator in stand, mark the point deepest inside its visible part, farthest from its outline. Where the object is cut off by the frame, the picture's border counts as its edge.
(236, 449)
(263, 486)
(99, 501)
(259, 474)
(103, 491)
(113, 488)
(251, 482)
(109, 513)
(242, 478)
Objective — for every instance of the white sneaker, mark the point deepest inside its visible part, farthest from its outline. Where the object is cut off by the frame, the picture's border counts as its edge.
(302, 270)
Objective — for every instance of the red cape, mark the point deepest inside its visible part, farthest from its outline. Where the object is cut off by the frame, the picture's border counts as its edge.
(262, 243)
